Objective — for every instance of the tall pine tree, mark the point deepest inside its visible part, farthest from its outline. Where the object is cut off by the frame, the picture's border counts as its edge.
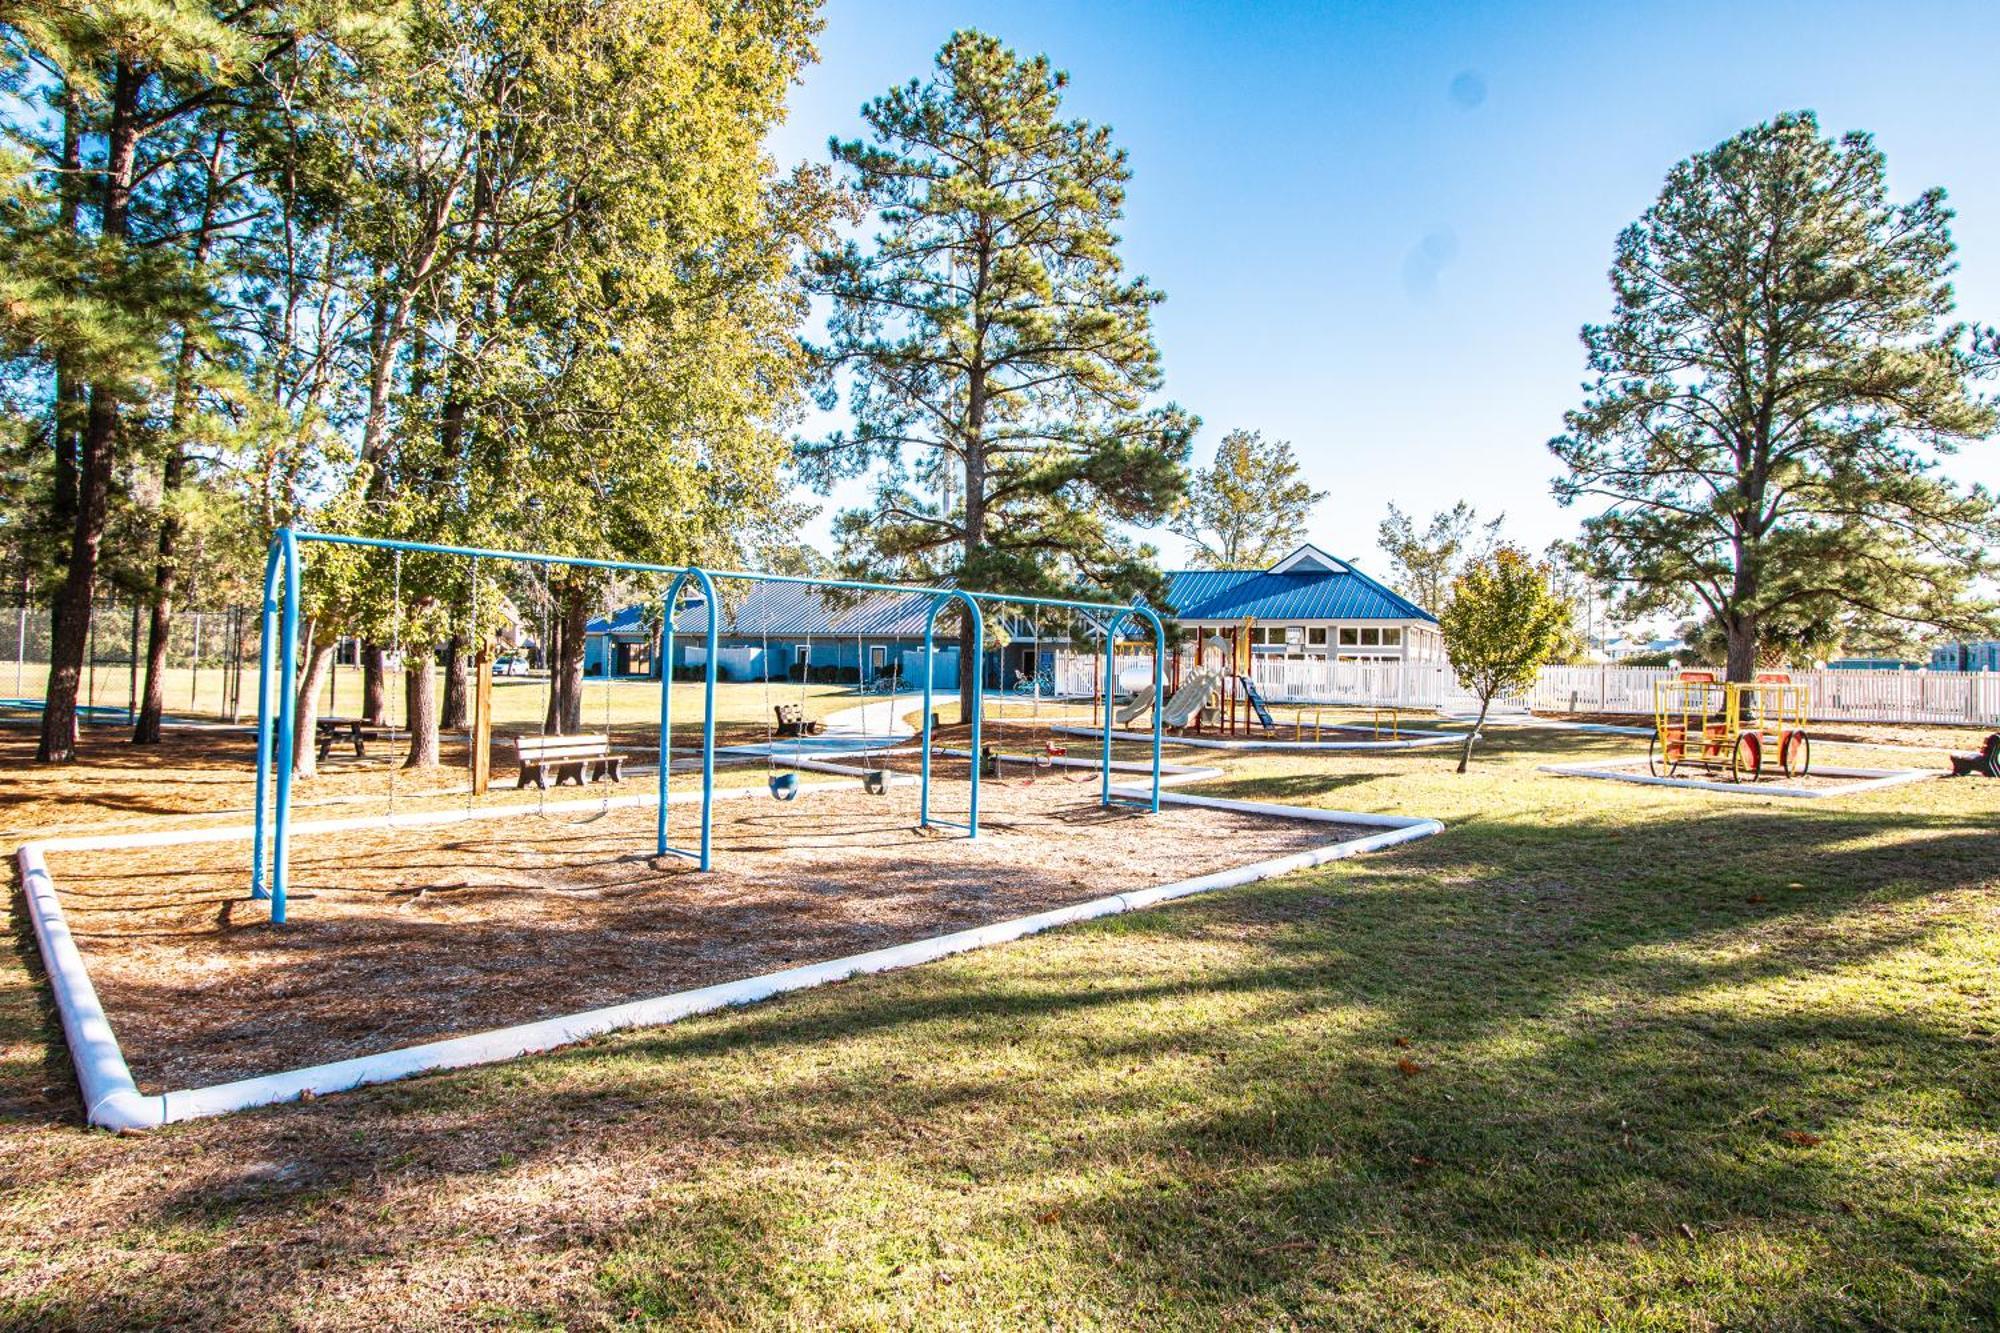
(1778, 378)
(1000, 357)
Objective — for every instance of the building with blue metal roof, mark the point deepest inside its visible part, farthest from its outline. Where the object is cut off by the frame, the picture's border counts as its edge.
(1308, 605)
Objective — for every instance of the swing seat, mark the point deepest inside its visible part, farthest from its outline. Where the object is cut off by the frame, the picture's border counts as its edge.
(875, 781)
(784, 786)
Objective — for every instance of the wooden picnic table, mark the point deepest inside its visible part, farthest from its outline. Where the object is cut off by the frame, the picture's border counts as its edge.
(357, 730)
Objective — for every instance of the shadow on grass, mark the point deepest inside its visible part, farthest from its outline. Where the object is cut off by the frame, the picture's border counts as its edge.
(1481, 1068)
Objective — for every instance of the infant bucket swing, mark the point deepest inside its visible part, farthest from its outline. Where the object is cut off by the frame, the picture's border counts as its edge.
(784, 785)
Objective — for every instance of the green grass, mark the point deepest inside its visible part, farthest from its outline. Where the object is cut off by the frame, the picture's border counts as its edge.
(1599, 1056)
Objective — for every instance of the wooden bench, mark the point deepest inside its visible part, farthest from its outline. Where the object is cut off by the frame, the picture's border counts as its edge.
(331, 730)
(793, 722)
(578, 759)
(1983, 762)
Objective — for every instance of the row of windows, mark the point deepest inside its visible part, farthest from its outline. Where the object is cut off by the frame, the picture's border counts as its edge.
(1314, 636)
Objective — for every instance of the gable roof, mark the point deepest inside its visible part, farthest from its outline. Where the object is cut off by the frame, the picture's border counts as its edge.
(793, 610)
(1302, 593)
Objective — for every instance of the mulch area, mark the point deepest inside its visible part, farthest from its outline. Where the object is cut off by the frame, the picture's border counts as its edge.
(399, 936)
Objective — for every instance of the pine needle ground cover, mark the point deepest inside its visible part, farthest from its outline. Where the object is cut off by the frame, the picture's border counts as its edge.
(1600, 1055)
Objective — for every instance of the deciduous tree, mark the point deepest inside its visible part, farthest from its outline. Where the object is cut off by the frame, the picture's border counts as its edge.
(1500, 625)
(1248, 508)
(1424, 561)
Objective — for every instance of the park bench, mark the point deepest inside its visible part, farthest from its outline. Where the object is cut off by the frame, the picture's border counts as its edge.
(551, 760)
(331, 730)
(1983, 762)
(792, 721)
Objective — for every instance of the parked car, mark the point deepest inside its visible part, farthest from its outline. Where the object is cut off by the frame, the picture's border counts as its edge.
(510, 666)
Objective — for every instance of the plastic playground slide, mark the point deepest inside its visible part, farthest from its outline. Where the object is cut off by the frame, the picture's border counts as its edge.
(1141, 700)
(1190, 699)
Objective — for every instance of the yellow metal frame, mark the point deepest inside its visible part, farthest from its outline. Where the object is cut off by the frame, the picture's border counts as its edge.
(1699, 720)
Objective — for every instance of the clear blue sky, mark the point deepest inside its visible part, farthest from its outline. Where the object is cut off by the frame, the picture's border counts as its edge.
(1380, 226)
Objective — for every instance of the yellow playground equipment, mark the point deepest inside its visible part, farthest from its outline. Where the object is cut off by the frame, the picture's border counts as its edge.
(1723, 726)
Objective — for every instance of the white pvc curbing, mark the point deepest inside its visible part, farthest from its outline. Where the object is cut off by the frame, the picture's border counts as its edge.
(113, 1101)
(1866, 779)
(1414, 740)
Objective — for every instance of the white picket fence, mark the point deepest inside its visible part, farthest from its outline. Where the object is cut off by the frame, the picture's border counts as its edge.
(1944, 697)
(1941, 697)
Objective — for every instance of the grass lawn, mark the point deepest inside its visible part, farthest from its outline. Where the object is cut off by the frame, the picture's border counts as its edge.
(1599, 1056)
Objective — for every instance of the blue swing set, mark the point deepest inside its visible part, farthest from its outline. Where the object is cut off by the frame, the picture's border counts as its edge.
(278, 666)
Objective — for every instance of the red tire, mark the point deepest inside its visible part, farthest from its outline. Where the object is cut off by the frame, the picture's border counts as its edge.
(1747, 757)
(1795, 754)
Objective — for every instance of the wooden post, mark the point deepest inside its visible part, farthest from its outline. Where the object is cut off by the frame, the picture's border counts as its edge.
(482, 722)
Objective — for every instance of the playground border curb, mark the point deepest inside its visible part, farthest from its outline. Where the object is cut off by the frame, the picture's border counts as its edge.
(1867, 779)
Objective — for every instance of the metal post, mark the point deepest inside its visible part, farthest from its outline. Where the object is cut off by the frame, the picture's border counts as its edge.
(705, 859)
(194, 668)
(266, 652)
(288, 646)
(20, 644)
(940, 600)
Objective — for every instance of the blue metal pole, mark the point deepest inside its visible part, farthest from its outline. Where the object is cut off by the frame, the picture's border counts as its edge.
(930, 675)
(978, 705)
(666, 713)
(943, 598)
(1110, 683)
(1159, 693)
(266, 649)
(705, 860)
(708, 716)
(288, 647)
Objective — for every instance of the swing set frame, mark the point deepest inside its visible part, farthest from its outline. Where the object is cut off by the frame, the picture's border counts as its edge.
(278, 666)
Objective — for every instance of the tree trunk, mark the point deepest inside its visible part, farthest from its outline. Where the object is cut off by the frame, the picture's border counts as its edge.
(551, 654)
(94, 454)
(305, 729)
(1743, 635)
(165, 573)
(1465, 755)
(575, 621)
(453, 716)
(374, 684)
(420, 704)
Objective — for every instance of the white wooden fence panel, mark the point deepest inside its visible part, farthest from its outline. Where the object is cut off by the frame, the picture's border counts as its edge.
(1946, 697)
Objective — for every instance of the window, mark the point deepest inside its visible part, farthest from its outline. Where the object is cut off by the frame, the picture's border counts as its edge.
(1371, 637)
(1349, 636)
(1316, 636)
(1392, 638)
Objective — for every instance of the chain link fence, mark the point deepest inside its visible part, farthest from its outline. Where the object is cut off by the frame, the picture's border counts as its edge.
(203, 676)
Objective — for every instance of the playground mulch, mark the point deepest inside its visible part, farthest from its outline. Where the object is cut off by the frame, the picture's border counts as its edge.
(403, 935)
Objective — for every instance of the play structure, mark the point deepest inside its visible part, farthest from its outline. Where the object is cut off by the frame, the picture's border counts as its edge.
(1704, 723)
(586, 755)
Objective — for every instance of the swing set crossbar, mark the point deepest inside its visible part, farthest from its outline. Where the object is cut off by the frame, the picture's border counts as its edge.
(278, 671)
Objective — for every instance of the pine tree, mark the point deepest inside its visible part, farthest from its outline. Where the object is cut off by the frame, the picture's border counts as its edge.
(1776, 384)
(1001, 359)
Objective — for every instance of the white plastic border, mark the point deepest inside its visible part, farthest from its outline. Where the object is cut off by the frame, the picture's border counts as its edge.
(1412, 740)
(1865, 779)
(112, 1099)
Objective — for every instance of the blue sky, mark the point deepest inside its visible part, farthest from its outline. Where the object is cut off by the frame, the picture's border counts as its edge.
(1380, 226)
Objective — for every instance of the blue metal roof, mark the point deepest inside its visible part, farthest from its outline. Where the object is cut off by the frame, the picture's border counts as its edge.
(794, 610)
(1233, 594)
